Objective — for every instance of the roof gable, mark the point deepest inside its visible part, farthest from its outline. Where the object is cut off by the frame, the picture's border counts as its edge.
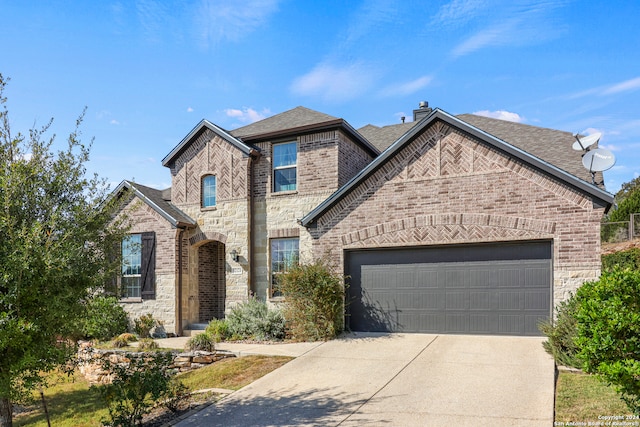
(438, 115)
(196, 132)
(156, 200)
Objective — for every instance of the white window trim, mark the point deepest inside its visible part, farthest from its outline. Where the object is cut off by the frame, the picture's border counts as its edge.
(276, 168)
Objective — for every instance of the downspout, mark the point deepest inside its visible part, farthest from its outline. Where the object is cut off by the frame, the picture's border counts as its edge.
(179, 325)
(253, 156)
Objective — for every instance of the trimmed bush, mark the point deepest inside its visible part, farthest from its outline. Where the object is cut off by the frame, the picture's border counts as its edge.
(623, 259)
(561, 334)
(104, 318)
(253, 320)
(608, 331)
(202, 342)
(314, 300)
(218, 329)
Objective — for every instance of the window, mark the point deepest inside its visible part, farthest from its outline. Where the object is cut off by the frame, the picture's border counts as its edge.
(284, 253)
(208, 191)
(131, 266)
(138, 266)
(285, 157)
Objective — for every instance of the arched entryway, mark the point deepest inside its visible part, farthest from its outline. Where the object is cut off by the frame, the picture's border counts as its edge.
(211, 281)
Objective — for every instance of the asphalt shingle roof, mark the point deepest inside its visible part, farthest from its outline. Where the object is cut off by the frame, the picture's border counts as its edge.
(291, 119)
(158, 201)
(550, 145)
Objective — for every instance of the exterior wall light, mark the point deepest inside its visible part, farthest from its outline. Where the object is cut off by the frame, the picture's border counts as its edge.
(235, 256)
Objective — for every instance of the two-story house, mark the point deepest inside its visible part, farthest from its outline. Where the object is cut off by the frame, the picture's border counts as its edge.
(444, 224)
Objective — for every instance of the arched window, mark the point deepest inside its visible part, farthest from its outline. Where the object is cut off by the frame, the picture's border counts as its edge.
(208, 191)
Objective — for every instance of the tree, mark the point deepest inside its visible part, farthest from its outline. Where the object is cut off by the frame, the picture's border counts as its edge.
(58, 234)
(628, 201)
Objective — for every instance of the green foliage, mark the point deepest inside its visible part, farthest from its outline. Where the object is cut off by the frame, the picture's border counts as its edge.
(137, 386)
(627, 189)
(142, 325)
(608, 331)
(561, 334)
(58, 233)
(314, 295)
(253, 320)
(104, 318)
(628, 200)
(218, 329)
(202, 342)
(623, 259)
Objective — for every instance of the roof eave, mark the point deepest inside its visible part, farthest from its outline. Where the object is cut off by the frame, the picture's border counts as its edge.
(205, 124)
(438, 114)
(166, 215)
(315, 127)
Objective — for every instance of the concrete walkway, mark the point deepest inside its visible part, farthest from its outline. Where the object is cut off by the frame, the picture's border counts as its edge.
(398, 380)
(247, 349)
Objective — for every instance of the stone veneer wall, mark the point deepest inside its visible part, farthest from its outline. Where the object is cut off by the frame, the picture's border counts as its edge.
(90, 361)
(459, 190)
(226, 223)
(325, 160)
(163, 306)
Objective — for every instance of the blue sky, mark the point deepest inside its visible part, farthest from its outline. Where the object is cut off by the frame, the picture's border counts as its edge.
(149, 71)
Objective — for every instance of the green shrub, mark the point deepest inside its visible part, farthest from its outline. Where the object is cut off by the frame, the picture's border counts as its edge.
(218, 329)
(104, 318)
(145, 344)
(608, 331)
(314, 300)
(137, 386)
(142, 325)
(623, 259)
(202, 342)
(561, 334)
(253, 320)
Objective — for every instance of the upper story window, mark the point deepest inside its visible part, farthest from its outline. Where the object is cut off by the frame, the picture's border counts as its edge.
(285, 158)
(208, 191)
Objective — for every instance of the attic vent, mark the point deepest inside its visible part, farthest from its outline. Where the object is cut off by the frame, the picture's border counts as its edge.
(422, 111)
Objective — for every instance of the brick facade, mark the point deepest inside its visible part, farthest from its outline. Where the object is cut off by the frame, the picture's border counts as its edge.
(143, 218)
(444, 187)
(447, 188)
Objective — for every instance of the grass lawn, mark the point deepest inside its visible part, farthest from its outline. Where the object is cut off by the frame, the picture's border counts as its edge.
(584, 398)
(71, 403)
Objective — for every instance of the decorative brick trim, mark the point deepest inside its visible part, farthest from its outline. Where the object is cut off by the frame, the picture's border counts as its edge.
(284, 232)
(449, 227)
(203, 237)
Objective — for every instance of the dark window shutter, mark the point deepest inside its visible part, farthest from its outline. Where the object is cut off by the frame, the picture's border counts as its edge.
(148, 279)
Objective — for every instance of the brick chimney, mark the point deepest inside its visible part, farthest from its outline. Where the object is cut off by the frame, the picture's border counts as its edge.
(422, 111)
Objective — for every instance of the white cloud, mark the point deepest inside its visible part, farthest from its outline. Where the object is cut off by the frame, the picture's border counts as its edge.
(501, 115)
(334, 84)
(494, 36)
(407, 88)
(625, 86)
(610, 147)
(114, 122)
(247, 115)
(458, 12)
(218, 20)
(189, 110)
(521, 23)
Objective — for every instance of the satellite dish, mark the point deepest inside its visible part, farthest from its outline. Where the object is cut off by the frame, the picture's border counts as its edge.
(585, 142)
(598, 160)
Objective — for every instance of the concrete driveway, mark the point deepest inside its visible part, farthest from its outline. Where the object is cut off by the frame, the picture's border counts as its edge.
(399, 380)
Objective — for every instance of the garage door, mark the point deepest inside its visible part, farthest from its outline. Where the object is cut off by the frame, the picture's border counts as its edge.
(501, 289)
